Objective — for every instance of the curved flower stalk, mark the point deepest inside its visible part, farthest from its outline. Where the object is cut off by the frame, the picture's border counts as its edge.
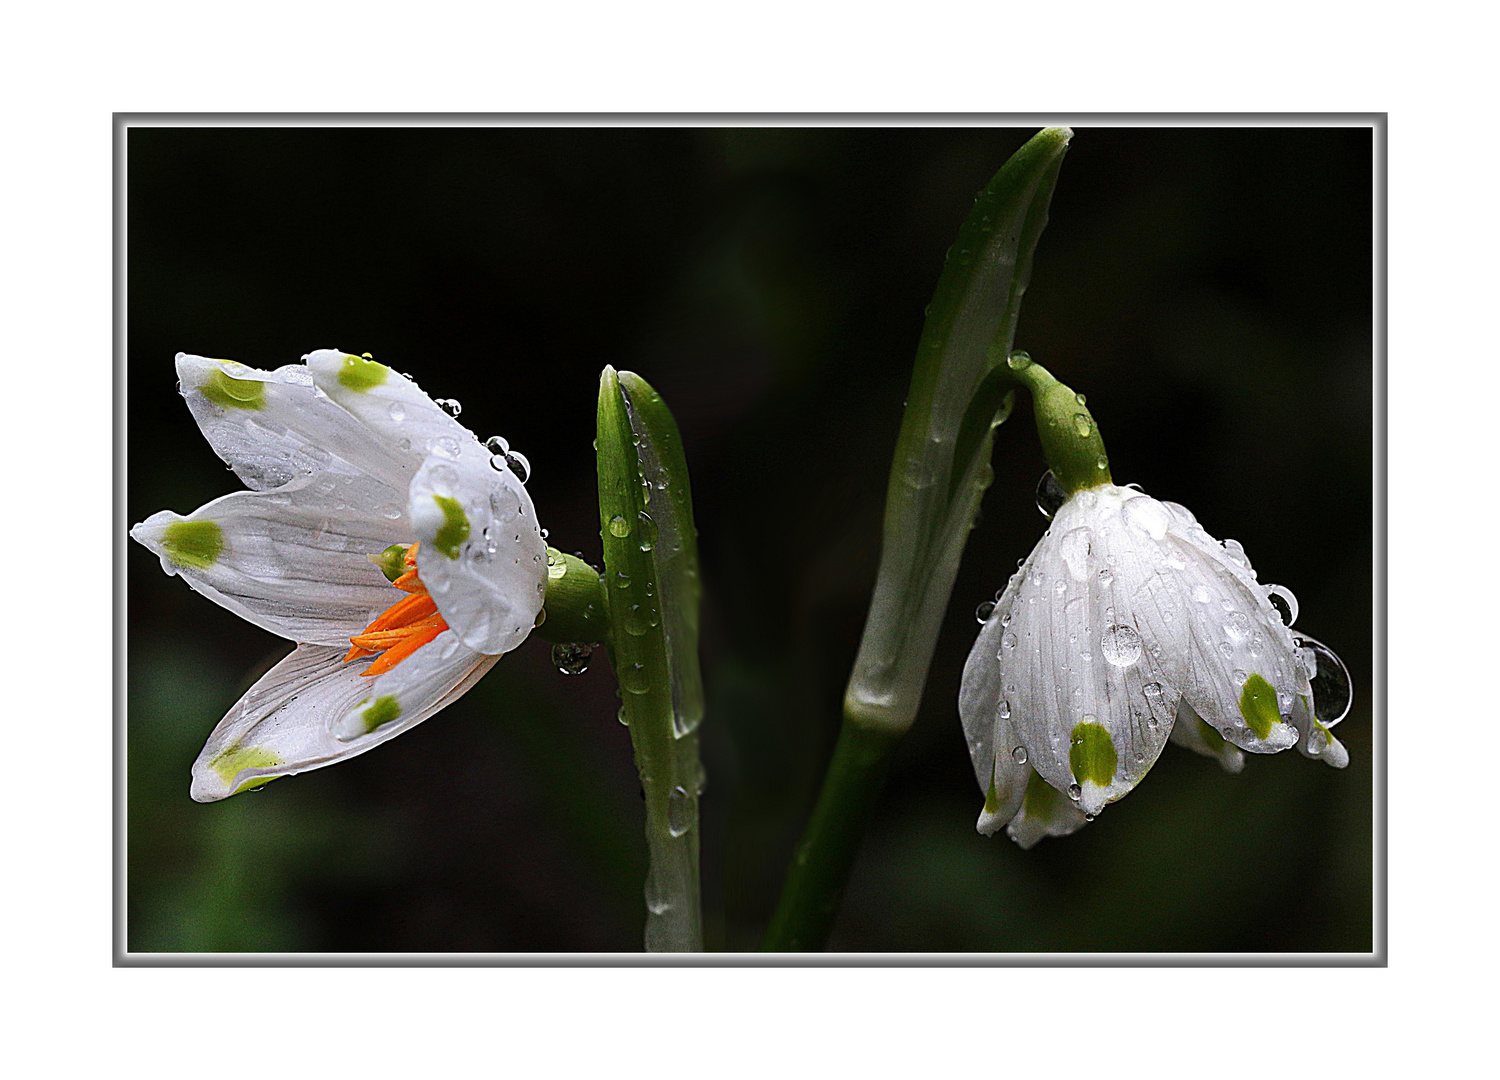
(378, 534)
(1127, 626)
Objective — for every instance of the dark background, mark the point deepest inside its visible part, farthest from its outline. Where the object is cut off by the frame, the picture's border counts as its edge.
(1209, 290)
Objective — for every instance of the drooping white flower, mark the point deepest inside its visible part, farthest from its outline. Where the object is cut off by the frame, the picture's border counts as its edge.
(1129, 625)
(376, 534)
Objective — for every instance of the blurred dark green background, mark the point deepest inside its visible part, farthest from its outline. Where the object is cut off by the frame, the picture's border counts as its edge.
(1210, 291)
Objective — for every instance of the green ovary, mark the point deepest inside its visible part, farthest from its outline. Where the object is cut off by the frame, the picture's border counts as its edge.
(361, 375)
(1092, 755)
(1258, 706)
(234, 393)
(193, 543)
(455, 528)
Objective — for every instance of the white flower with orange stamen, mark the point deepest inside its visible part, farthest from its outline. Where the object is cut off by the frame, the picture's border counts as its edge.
(378, 534)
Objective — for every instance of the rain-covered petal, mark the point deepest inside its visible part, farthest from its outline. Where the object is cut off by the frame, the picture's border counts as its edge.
(1093, 704)
(482, 556)
(1193, 733)
(994, 747)
(273, 426)
(293, 560)
(1044, 812)
(288, 721)
(388, 404)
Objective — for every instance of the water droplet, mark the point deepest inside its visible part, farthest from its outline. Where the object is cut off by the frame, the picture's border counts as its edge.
(1082, 424)
(1075, 792)
(1294, 733)
(1049, 495)
(1008, 641)
(648, 531)
(618, 526)
(622, 580)
(1236, 552)
(634, 679)
(516, 462)
(1237, 626)
(391, 511)
(1284, 602)
(1201, 594)
(620, 716)
(1101, 463)
(1018, 755)
(1075, 549)
(556, 568)
(1331, 688)
(1003, 710)
(1152, 690)
(984, 611)
(1317, 741)
(1239, 677)
(446, 446)
(397, 411)
(496, 445)
(1106, 577)
(1121, 645)
(572, 659)
(682, 811)
(1018, 360)
(449, 406)
(1148, 515)
(1080, 399)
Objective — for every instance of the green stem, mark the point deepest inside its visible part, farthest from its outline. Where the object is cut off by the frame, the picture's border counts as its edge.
(1071, 441)
(825, 855)
(575, 609)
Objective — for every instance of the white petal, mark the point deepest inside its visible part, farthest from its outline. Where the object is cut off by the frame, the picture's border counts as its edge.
(1093, 703)
(285, 723)
(292, 561)
(273, 426)
(1044, 812)
(1192, 732)
(389, 404)
(993, 742)
(482, 556)
(1242, 671)
(412, 690)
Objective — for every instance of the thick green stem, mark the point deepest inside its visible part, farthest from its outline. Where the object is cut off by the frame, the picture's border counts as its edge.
(1071, 441)
(825, 855)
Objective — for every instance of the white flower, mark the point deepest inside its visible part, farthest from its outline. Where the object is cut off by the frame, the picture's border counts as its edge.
(1127, 625)
(359, 482)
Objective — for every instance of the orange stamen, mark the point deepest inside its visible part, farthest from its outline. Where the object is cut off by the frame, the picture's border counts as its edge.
(402, 628)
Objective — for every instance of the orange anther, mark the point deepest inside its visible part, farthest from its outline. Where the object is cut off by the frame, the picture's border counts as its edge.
(402, 628)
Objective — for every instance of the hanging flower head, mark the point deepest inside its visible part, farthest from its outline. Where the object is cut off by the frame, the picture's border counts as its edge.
(400, 554)
(1129, 625)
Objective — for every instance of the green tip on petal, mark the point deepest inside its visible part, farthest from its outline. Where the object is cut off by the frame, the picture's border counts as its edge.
(232, 760)
(361, 374)
(1041, 798)
(382, 711)
(455, 529)
(1210, 736)
(232, 393)
(392, 561)
(1258, 706)
(992, 797)
(193, 543)
(1092, 755)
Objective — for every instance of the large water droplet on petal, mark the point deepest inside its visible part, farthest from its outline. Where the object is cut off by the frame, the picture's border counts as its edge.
(1333, 692)
(984, 611)
(1146, 514)
(1121, 645)
(1284, 602)
(1075, 548)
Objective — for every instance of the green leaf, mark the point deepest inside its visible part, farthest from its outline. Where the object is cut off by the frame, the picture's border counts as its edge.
(937, 474)
(652, 590)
